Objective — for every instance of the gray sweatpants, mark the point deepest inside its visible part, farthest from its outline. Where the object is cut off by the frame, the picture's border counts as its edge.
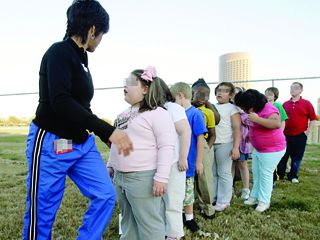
(141, 216)
(222, 176)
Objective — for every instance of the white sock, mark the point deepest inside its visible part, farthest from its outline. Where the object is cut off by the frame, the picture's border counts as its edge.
(189, 216)
(120, 218)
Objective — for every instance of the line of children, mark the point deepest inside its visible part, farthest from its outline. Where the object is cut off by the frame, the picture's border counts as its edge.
(170, 147)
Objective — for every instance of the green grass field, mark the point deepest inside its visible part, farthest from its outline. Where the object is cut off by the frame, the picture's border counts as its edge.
(294, 212)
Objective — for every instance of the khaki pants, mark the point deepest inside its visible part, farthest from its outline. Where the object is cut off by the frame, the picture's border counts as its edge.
(173, 202)
(204, 183)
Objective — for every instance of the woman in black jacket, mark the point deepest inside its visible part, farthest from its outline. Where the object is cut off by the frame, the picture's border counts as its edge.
(59, 142)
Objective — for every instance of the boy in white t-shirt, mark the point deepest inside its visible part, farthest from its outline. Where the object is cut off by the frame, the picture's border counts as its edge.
(173, 199)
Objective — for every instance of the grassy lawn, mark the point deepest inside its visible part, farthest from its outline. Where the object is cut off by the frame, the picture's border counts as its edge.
(294, 212)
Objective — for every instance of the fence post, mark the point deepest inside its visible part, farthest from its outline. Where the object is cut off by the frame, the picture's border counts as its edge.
(314, 136)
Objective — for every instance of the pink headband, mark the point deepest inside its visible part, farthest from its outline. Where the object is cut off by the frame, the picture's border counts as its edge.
(149, 73)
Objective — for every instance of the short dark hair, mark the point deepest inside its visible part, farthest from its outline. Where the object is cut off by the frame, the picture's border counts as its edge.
(240, 89)
(300, 84)
(227, 84)
(274, 90)
(200, 83)
(250, 99)
(84, 14)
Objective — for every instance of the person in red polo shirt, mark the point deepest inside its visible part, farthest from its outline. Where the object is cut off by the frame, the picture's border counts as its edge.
(301, 119)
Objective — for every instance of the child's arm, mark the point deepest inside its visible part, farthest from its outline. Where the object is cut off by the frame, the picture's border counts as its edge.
(271, 122)
(200, 150)
(310, 126)
(165, 137)
(212, 136)
(236, 129)
(215, 112)
(184, 131)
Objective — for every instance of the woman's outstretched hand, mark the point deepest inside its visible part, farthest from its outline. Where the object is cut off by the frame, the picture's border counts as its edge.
(122, 141)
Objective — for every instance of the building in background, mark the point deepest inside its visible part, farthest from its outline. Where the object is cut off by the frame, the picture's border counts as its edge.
(236, 68)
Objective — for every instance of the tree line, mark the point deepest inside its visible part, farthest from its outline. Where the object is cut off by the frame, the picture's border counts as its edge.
(23, 121)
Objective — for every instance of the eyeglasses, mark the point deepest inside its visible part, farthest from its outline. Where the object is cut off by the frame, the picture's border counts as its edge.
(130, 82)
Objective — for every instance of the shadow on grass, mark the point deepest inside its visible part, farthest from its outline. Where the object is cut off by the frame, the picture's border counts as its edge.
(291, 204)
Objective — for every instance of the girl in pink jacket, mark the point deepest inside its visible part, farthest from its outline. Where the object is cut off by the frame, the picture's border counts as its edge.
(141, 178)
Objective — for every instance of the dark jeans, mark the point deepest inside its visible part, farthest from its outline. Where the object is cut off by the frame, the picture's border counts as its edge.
(296, 146)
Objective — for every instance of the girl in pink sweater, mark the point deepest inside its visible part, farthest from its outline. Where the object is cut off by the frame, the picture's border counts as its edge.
(141, 178)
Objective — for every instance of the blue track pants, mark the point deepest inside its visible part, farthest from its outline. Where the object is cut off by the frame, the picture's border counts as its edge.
(46, 179)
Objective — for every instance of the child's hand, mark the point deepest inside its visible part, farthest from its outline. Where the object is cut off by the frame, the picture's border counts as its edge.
(253, 117)
(235, 154)
(159, 188)
(183, 165)
(111, 172)
(199, 168)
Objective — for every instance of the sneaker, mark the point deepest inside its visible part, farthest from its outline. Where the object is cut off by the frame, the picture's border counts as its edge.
(294, 180)
(262, 207)
(245, 194)
(219, 207)
(192, 225)
(211, 217)
(251, 201)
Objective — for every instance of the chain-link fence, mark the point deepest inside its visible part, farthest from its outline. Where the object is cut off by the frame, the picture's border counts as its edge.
(108, 101)
(311, 87)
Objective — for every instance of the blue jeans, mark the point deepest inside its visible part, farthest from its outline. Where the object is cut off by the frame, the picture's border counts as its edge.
(46, 179)
(296, 146)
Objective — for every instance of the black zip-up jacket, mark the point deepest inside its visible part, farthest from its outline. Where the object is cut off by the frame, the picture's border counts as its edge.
(65, 92)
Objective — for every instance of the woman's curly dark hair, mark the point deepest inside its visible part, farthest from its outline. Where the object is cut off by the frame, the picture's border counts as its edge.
(250, 99)
(82, 15)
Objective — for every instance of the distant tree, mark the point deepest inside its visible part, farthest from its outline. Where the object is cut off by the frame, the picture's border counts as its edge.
(15, 121)
(108, 120)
